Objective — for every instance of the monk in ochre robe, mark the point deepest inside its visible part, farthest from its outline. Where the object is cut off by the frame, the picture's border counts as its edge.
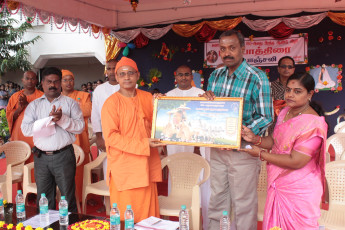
(134, 164)
(16, 107)
(84, 101)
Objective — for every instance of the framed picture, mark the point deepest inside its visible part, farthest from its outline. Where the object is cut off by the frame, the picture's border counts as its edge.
(197, 121)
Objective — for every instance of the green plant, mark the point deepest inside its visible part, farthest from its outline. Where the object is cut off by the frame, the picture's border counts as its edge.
(4, 130)
(13, 52)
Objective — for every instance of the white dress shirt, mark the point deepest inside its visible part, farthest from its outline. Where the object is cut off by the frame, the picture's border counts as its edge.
(71, 122)
(99, 96)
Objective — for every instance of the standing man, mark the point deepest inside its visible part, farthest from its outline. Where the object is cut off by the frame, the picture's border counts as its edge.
(184, 78)
(84, 101)
(134, 162)
(234, 174)
(286, 67)
(54, 158)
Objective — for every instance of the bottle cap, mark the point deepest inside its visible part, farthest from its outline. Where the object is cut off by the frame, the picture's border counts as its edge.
(19, 192)
(114, 205)
(43, 195)
(129, 206)
(183, 207)
(225, 213)
(63, 198)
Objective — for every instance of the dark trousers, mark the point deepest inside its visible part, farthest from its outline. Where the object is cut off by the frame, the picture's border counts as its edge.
(58, 169)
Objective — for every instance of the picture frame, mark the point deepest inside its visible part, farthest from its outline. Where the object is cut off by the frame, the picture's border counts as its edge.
(198, 122)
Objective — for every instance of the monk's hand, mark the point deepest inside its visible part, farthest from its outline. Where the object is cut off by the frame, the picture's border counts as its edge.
(248, 135)
(158, 95)
(23, 101)
(252, 150)
(100, 143)
(227, 149)
(155, 142)
(209, 95)
(56, 113)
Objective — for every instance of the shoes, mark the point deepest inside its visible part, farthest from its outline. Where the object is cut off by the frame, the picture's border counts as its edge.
(92, 202)
(101, 209)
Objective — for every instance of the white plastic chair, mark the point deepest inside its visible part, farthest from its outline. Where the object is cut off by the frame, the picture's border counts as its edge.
(338, 142)
(98, 188)
(184, 172)
(334, 218)
(340, 127)
(30, 187)
(262, 191)
(16, 152)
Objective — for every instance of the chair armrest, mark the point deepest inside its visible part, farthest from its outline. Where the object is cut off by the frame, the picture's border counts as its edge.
(9, 182)
(207, 171)
(27, 174)
(93, 164)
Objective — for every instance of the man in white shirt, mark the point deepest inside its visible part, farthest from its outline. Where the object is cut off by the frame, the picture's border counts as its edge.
(184, 78)
(54, 158)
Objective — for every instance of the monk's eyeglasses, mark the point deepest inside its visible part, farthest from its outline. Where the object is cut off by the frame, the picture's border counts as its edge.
(287, 66)
(129, 73)
(67, 80)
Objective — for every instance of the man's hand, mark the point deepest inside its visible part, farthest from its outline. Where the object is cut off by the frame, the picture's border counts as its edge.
(56, 113)
(209, 95)
(100, 142)
(23, 101)
(155, 143)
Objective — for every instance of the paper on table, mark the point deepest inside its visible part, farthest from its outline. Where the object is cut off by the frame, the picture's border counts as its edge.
(44, 127)
(155, 223)
(35, 221)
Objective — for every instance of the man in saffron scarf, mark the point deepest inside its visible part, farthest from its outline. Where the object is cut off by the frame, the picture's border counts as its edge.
(84, 101)
(134, 165)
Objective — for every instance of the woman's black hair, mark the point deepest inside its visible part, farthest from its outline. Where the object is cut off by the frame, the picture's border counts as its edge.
(309, 84)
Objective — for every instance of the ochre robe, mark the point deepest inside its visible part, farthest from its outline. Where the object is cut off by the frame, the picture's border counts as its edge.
(84, 101)
(15, 130)
(133, 167)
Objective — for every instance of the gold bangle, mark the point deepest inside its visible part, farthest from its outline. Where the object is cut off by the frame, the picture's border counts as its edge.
(259, 142)
(262, 159)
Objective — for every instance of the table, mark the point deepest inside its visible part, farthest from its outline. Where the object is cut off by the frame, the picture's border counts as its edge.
(10, 217)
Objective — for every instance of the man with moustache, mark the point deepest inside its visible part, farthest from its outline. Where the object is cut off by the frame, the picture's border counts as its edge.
(54, 158)
(234, 174)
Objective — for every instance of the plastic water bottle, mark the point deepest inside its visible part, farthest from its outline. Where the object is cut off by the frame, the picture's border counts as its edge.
(225, 221)
(63, 211)
(184, 218)
(1, 206)
(115, 223)
(129, 218)
(44, 215)
(20, 205)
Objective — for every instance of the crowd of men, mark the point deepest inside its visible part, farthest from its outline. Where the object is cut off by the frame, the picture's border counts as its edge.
(121, 117)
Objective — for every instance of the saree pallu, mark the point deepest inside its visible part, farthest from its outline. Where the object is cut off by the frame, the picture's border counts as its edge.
(294, 196)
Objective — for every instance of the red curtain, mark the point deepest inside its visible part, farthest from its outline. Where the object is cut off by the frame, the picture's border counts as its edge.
(281, 31)
(141, 41)
(205, 34)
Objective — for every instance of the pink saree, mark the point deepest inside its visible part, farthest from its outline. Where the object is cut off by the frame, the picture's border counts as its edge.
(294, 196)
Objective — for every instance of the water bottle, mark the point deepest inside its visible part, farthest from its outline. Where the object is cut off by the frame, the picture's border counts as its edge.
(1, 206)
(184, 218)
(225, 221)
(115, 223)
(20, 206)
(44, 215)
(63, 211)
(129, 218)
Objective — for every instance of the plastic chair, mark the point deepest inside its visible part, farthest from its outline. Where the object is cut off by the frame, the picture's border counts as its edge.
(340, 127)
(262, 191)
(6, 184)
(184, 172)
(98, 188)
(334, 218)
(30, 187)
(17, 152)
(338, 142)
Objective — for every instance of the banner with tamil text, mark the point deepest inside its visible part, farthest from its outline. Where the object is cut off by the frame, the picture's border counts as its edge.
(263, 51)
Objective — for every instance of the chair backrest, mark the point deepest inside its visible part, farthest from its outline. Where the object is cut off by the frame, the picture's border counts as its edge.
(79, 154)
(335, 176)
(338, 142)
(16, 152)
(184, 172)
(262, 184)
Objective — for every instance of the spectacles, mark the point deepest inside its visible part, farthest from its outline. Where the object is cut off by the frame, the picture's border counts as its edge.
(129, 73)
(67, 80)
(286, 66)
(183, 74)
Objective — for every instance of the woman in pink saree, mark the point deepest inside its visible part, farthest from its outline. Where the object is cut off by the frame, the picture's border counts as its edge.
(295, 155)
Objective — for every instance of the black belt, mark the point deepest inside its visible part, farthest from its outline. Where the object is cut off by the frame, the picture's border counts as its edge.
(54, 152)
